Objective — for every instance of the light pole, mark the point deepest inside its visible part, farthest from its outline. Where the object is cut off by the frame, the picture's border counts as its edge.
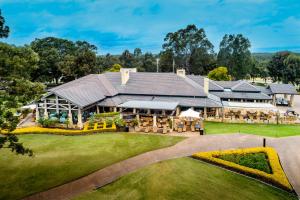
(157, 62)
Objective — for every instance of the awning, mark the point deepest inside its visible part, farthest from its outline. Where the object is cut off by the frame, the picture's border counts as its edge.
(249, 105)
(155, 105)
(190, 113)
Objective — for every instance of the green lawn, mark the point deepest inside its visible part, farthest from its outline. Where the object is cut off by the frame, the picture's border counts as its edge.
(186, 178)
(59, 159)
(271, 130)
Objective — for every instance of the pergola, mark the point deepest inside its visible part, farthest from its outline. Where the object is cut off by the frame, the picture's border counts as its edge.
(283, 89)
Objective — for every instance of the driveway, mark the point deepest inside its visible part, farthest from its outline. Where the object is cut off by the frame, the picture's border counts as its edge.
(288, 150)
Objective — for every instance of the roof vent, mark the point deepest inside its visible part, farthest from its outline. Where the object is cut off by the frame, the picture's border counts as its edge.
(180, 72)
(125, 74)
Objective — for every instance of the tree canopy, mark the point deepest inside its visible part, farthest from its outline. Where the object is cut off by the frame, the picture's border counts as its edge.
(235, 54)
(219, 74)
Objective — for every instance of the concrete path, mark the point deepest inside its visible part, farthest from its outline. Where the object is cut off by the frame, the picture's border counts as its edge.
(288, 149)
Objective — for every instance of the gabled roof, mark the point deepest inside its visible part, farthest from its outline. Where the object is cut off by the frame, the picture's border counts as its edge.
(86, 90)
(148, 83)
(282, 88)
(213, 86)
(244, 86)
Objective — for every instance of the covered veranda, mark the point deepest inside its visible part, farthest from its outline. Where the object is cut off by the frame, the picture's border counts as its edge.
(156, 116)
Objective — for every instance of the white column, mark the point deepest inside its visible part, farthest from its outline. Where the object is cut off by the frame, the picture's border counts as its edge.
(115, 109)
(45, 110)
(274, 99)
(134, 110)
(70, 117)
(138, 119)
(217, 112)
(291, 103)
(178, 111)
(37, 113)
(79, 123)
(172, 122)
(57, 108)
(148, 111)
(97, 109)
(205, 113)
(154, 121)
(163, 112)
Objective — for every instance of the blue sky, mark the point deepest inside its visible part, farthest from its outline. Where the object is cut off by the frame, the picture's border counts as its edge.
(115, 25)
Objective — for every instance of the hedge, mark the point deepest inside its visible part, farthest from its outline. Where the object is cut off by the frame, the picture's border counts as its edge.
(277, 177)
(58, 131)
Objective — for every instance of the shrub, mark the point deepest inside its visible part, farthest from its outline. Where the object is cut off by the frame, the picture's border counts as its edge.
(108, 122)
(277, 177)
(108, 114)
(119, 122)
(47, 122)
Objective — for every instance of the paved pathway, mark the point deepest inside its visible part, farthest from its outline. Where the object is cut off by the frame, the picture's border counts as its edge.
(288, 149)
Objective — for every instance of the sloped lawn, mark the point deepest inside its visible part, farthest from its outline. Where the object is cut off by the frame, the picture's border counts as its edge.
(271, 130)
(59, 159)
(186, 178)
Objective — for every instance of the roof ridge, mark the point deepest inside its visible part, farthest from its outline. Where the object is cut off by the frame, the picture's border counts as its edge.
(193, 83)
(106, 83)
(242, 82)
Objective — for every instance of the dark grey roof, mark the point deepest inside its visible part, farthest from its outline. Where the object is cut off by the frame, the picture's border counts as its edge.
(183, 101)
(242, 95)
(282, 89)
(154, 84)
(86, 90)
(157, 105)
(264, 89)
(213, 86)
(227, 84)
(244, 86)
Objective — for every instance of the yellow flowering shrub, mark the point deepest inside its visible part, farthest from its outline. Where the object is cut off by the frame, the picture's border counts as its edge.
(39, 130)
(277, 177)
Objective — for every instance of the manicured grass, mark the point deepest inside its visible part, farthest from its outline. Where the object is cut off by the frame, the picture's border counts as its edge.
(271, 130)
(186, 178)
(59, 159)
(253, 160)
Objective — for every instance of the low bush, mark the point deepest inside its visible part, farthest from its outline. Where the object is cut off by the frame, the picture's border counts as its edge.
(277, 177)
(46, 123)
(108, 114)
(253, 160)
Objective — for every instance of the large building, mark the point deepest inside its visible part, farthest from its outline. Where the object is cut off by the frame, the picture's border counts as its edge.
(129, 91)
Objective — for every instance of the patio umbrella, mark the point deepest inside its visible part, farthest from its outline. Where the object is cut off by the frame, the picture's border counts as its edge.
(190, 113)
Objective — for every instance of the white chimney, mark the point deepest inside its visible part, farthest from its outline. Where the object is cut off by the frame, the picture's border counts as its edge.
(180, 72)
(125, 74)
(206, 85)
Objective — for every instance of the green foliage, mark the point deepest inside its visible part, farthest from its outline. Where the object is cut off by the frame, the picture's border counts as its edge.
(119, 122)
(107, 114)
(4, 30)
(219, 74)
(191, 49)
(108, 122)
(46, 123)
(115, 68)
(135, 122)
(253, 160)
(235, 54)
(285, 67)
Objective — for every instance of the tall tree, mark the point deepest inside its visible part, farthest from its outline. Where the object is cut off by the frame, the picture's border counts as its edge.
(51, 51)
(166, 59)
(187, 42)
(292, 69)
(235, 54)
(127, 59)
(277, 67)
(8, 122)
(4, 30)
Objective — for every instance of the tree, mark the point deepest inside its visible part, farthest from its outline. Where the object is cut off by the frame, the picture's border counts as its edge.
(148, 63)
(235, 54)
(115, 68)
(106, 62)
(8, 122)
(187, 44)
(277, 68)
(166, 61)
(219, 74)
(18, 62)
(202, 61)
(292, 69)
(127, 59)
(4, 30)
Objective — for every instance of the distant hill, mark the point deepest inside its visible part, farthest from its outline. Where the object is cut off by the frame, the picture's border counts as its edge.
(266, 56)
